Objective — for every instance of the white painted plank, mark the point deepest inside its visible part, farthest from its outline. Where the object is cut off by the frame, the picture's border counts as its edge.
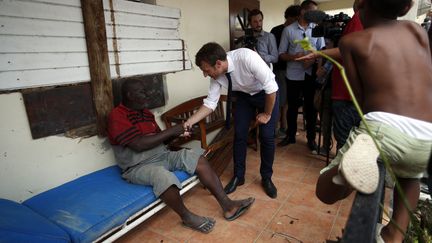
(141, 20)
(40, 10)
(148, 68)
(39, 27)
(28, 61)
(22, 44)
(44, 77)
(142, 32)
(144, 45)
(142, 8)
(147, 56)
(75, 3)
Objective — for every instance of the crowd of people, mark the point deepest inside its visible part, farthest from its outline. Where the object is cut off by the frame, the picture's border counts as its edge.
(389, 67)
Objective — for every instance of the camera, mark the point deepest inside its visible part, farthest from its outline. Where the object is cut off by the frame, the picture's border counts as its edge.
(330, 27)
(248, 40)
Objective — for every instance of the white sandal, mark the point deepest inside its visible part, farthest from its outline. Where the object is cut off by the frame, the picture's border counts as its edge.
(378, 237)
(359, 165)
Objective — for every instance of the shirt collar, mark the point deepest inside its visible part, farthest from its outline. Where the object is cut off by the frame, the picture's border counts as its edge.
(309, 26)
(230, 64)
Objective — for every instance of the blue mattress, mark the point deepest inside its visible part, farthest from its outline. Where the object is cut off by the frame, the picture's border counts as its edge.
(19, 223)
(93, 204)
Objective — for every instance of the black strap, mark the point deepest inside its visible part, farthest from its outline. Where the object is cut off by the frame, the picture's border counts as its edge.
(228, 104)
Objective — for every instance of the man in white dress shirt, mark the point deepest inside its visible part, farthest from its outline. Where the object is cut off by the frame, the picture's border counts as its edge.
(255, 88)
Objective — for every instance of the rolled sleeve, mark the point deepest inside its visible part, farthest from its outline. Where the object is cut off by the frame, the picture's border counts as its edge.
(213, 95)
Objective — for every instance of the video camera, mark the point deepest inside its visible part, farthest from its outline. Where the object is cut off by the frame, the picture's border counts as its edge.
(248, 40)
(330, 27)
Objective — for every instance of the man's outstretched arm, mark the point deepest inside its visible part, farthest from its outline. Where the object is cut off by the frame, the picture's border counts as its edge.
(145, 142)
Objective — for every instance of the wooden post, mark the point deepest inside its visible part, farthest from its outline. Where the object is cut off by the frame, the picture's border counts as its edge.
(94, 25)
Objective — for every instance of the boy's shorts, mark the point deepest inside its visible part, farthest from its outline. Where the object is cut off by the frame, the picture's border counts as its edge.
(408, 156)
(157, 171)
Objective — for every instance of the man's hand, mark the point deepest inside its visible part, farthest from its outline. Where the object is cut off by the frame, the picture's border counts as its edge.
(308, 63)
(308, 57)
(321, 72)
(263, 118)
(187, 129)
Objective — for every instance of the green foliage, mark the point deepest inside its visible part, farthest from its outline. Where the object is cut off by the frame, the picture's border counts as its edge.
(421, 230)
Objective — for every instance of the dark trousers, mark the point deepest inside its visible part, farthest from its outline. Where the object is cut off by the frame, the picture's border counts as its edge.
(295, 88)
(246, 108)
(345, 117)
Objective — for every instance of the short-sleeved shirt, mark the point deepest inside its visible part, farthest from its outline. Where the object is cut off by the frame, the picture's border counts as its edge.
(295, 70)
(339, 90)
(124, 126)
(266, 47)
(249, 74)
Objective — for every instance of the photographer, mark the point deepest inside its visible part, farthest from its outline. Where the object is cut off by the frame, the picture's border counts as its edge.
(299, 76)
(265, 41)
(345, 115)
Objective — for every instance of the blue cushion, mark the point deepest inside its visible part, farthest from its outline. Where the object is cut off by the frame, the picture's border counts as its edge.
(92, 204)
(19, 223)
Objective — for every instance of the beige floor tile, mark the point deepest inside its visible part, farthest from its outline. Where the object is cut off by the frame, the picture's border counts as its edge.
(304, 195)
(303, 223)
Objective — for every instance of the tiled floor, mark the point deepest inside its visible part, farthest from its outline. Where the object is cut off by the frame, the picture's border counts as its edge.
(296, 215)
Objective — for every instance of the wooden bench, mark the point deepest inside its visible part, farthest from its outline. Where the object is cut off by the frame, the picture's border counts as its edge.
(223, 142)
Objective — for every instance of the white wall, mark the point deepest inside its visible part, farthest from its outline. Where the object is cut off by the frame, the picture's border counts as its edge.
(273, 11)
(28, 167)
(201, 21)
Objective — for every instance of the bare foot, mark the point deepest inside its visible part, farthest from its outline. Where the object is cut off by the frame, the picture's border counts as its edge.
(199, 223)
(239, 207)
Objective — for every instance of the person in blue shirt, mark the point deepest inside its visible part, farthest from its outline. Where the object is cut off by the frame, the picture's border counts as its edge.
(299, 76)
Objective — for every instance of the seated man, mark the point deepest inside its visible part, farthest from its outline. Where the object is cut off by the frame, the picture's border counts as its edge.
(138, 146)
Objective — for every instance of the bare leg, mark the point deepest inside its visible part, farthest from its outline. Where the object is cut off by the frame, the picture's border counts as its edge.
(211, 181)
(172, 198)
(327, 191)
(401, 217)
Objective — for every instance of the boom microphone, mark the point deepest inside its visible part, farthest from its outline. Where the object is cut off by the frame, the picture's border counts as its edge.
(314, 16)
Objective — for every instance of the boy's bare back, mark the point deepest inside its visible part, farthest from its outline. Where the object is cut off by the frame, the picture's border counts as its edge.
(389, 67)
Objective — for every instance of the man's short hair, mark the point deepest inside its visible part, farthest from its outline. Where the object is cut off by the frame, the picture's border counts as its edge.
(390, 9)
(292, 11)
(254, 12)
(210, 53)
(305, 4)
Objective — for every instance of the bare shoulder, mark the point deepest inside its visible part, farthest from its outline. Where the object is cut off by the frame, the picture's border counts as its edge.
(355, 41)
(416, 30)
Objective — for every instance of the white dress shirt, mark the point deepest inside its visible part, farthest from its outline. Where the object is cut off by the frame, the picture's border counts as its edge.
(249, 74)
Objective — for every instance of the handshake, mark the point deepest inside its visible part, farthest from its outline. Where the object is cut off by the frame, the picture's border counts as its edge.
(187, 130)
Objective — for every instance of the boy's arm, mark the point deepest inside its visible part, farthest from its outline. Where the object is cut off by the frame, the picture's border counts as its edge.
(348, 47)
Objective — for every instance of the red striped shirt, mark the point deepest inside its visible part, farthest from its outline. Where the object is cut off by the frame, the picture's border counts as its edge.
(125, 125)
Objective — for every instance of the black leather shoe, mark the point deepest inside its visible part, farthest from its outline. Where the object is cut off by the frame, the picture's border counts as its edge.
(285, 142)
(269, 188)
(232, 185)
(313, 147)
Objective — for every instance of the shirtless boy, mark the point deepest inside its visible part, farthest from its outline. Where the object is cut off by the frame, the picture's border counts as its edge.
(390, 70)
